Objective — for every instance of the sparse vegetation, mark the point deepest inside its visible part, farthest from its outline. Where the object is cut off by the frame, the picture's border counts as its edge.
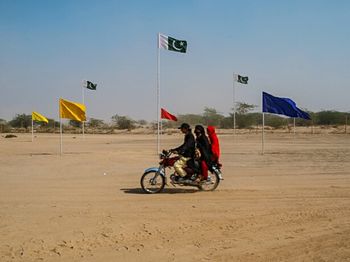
(4, 126)
(123, 122)
(21, 121)
(245, 119)
(95, 123)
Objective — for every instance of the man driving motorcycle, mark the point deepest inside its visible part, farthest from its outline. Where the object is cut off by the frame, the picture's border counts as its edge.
(186, 150)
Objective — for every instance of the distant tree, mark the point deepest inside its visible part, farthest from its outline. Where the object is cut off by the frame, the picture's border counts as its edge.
(212, 117)
(191, 119)
(52, 123)
(21, 120)
(227, 122)
(95, 123)
(142, 122)
(123, 122)
(244, 108)
(243, 119)
(330, 118)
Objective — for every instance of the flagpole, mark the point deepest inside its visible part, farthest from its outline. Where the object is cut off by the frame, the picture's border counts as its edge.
(263, 129)
(83, 122)
(32, 129)
(158, 97)
(234, 105)
(61, 144)
(59, 114)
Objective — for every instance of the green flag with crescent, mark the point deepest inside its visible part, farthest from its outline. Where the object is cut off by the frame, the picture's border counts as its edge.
(90, 85)
(241, 79)
(172, 44)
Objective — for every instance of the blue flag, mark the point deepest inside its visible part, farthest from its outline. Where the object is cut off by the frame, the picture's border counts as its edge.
(282, 106)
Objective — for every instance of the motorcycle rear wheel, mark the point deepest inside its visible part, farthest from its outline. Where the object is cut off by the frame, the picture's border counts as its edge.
(211, 183)
(152, 183)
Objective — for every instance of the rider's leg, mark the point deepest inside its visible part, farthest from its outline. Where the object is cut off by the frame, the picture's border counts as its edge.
(204, 170)
(179, 166)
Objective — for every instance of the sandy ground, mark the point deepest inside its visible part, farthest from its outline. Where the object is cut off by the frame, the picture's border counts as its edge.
(290, 204)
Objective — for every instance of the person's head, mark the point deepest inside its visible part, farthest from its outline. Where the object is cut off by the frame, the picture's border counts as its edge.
(211, 130)
(185, 128)
(199, 130)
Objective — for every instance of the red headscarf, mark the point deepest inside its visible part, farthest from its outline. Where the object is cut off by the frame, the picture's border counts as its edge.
(215, 147)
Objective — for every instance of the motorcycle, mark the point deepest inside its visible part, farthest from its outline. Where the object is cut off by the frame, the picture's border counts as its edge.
(154, 179)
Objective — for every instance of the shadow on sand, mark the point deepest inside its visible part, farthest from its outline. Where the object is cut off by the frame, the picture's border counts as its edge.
(164, 191)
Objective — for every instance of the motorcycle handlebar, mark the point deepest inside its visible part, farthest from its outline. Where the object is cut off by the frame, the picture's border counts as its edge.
(167, 153)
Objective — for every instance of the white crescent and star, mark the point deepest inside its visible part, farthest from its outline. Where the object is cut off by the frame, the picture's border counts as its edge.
(181, 44)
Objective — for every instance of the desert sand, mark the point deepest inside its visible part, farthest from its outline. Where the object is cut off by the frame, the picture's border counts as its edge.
(290, 204)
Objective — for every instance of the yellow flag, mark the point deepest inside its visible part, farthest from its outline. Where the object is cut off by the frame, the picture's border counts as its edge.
(37, 117)
(72, 110)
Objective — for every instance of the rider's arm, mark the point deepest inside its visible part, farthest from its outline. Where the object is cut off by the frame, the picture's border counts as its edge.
(178, 149)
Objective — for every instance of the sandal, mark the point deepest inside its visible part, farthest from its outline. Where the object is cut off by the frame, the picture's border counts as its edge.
(198, 179)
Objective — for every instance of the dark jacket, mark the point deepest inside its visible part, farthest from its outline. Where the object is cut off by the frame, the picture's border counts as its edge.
(204, 147)
(188, 147)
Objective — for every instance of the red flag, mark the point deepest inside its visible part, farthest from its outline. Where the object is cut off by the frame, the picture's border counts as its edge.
(166, 115)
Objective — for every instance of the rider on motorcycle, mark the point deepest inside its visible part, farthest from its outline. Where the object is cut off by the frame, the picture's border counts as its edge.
(203, 146)
(215, 146)
(186, 150)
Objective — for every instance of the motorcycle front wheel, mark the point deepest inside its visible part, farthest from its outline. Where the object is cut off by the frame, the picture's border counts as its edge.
(152, 182)
(211, 183)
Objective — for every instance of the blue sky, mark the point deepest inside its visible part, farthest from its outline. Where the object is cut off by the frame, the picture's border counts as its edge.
(295, 49)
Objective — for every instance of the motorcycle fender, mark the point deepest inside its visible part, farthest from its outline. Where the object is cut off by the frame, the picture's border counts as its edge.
(155, 169)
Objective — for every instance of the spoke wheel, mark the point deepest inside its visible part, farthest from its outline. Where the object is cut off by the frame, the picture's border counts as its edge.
(211, 183)
(152, 182)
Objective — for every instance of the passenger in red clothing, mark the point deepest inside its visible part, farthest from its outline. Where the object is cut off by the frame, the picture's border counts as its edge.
(215, 146)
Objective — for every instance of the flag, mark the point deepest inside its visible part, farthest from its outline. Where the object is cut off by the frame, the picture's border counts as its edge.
(172, 44)
(166, 115)
(90, 85)
(72, 110)
(240, 79)
(282, 106)
(38, 117)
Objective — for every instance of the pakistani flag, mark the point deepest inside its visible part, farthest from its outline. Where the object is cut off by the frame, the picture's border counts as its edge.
(90, 85)
(172, 44)
(241, 79)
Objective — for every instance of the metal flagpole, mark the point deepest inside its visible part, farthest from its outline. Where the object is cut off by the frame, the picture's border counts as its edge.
(234, 105)
(61, 135)
(83, 124)
(61, 145)
(263, 135)
(158, 97)
(32, 128)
